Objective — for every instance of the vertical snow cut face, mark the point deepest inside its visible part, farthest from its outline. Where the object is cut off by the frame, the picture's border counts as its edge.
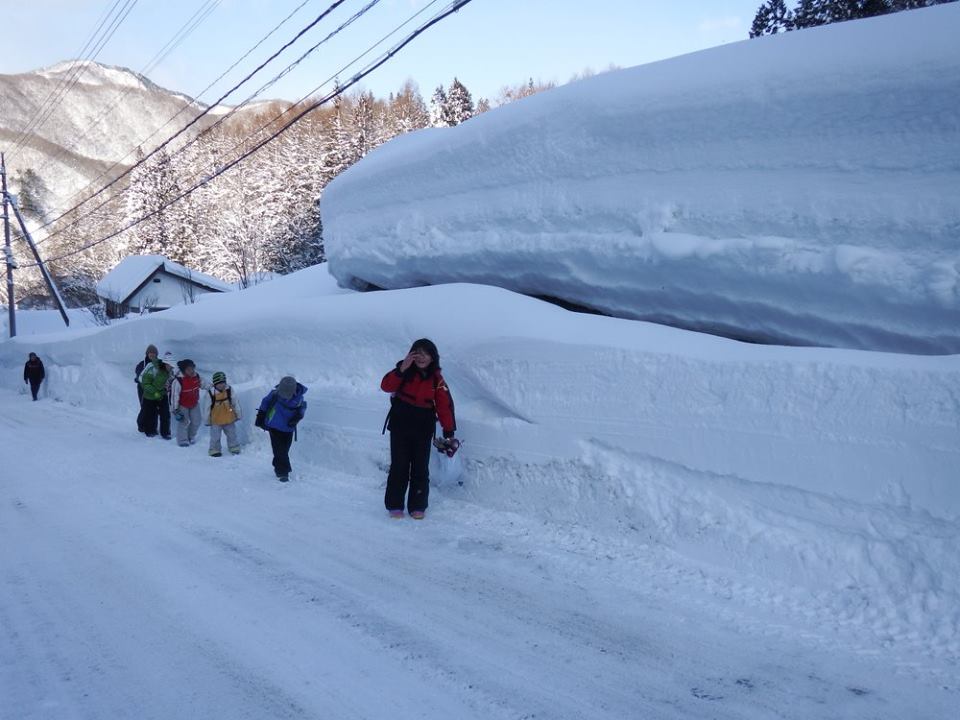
(799, 189)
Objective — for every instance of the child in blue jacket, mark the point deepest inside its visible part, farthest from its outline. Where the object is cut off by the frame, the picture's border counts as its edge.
(279, 412)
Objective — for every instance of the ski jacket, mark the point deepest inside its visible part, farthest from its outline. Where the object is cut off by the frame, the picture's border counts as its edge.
(33, 370)
(153, 380)
(185, 391)
(283, 415)
(221, 407)
(139, 369)
(427, 393)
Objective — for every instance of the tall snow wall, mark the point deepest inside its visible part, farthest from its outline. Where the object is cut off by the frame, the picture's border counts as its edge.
(801, 188)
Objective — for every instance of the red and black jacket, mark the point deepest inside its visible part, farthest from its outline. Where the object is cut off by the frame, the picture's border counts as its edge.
(416, 395)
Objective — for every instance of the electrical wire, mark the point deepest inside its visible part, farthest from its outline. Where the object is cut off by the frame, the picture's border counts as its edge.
(210, 128)
(450, 10)
(332, 78)
(190, 124)
(183, 109)
(73, 76)
(63, 78)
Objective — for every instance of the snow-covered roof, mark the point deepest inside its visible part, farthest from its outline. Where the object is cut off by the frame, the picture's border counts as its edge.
(133, 271)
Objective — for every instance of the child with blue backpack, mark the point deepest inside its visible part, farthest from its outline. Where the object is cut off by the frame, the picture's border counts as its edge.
(279, 412)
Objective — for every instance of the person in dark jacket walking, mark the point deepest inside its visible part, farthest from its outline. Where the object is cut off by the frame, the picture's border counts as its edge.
(279, 412)
(148, 357)
(419, 397)
(33, 373)
(153, 379)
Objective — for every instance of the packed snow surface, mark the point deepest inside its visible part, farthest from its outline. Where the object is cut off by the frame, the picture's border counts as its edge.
(801, 188)
(653, 523)
(41, 322)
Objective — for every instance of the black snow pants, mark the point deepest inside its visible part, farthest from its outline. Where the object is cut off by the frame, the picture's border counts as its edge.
(409, 465)
(152, 410)
(140, 426)
(35, 387)
(280, 442)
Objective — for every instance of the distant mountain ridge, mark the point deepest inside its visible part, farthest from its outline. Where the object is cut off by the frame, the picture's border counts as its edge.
(108, 113)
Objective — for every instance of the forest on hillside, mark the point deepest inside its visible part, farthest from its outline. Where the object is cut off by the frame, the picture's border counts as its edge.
(258, 218)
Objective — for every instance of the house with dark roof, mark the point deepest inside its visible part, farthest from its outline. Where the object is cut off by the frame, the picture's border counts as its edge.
(149, 283)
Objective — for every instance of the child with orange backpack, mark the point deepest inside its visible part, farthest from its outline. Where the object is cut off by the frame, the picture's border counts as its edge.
(223, 412)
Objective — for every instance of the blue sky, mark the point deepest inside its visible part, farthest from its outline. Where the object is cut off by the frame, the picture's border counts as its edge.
(488, 44)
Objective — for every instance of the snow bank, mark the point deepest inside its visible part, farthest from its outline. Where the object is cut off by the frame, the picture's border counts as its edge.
(801, 189)
(41, 322)
(831, 472)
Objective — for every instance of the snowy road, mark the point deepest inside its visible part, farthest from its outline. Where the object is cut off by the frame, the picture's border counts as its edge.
(148, 581)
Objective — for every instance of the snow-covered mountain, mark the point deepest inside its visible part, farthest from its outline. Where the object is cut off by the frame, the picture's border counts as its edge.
(801, 188)
(106, 115)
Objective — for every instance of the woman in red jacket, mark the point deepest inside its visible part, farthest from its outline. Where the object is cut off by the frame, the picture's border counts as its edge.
(419, 398)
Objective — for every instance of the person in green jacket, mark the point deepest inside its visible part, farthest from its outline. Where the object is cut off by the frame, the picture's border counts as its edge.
(153, 380)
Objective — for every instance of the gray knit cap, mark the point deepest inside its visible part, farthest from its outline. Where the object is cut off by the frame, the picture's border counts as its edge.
(286, 387)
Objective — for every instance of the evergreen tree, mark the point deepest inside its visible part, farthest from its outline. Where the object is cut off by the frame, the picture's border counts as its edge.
(772, 17)
(337, 148)
(33, 194)
(459, 105)
(365, 137)
(811, 13)
(438, 108)
(407, 111)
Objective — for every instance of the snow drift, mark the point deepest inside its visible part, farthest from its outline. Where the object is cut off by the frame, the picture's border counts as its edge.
(800, 189)
(816, 472)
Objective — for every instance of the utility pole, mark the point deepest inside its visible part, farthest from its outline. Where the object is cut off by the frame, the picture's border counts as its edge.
(10, 202)
(8, 250)
(47, 278)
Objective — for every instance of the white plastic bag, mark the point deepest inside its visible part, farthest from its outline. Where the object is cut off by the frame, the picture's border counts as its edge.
(446, 471)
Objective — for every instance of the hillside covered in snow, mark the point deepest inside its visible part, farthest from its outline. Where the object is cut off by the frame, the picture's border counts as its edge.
(106, 113)
(800, 189)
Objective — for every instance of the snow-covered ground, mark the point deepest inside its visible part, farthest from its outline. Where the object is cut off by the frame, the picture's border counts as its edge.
(801, 188)
(41, 322)
(653, 523)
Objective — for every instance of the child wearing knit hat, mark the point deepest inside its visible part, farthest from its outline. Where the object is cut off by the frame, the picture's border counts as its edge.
(149, 356)
(184, 394)
(222, 412)
(279, 412)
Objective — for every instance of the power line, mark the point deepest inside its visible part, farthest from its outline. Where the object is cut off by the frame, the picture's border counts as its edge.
(209, 129)
(73, 76)
(188, 27)
(78, 68)
(282, 74)
(272, 121)
(145, 71)
(451, 9)
(166, 142)
(201, 14)
(63, 78)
